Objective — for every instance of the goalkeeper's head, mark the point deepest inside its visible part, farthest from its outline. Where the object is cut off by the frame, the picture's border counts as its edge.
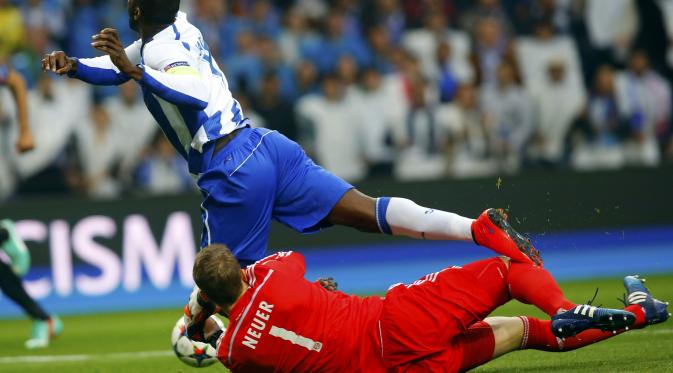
(219, 275)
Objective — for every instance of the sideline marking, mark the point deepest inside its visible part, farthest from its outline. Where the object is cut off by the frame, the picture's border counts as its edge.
(42, 359)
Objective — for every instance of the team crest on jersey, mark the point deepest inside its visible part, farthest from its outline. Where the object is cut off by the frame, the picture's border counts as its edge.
(176, 64)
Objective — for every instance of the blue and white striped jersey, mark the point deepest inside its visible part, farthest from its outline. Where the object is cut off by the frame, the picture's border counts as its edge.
(183, 87)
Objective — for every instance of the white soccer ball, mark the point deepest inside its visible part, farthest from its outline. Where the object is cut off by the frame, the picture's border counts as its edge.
(193, 353)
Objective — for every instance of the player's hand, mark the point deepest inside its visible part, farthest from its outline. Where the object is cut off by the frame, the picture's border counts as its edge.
(58, 62)
(108, 42)
(198, 310)
(328, 283)
(25, 143)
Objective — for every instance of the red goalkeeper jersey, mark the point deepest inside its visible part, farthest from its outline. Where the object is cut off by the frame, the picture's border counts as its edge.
(284, 323)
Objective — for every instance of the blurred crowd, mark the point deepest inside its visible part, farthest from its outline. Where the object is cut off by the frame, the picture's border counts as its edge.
(411, 89)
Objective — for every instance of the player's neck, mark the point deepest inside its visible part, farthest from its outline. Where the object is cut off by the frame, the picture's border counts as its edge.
(148, 31)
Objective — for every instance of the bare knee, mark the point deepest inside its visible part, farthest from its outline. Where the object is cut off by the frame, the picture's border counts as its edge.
(355, 210)
(507, 333)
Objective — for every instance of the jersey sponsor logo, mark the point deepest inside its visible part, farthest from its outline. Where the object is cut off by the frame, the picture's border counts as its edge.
(257, 325)
(176, 64)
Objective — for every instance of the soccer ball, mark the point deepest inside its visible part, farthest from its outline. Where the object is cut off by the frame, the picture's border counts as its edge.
(193, 353)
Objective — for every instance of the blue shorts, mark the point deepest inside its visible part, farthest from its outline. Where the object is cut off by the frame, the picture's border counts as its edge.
(259, 176)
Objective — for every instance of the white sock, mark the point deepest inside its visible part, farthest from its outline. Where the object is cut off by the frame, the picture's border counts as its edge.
(403, 217)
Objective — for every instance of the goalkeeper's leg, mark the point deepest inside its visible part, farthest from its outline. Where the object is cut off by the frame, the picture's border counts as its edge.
(496, 336)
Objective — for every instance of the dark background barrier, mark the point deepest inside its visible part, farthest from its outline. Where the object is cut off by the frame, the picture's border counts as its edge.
(537, 203)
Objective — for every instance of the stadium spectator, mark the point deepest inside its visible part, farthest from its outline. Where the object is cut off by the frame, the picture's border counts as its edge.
(83, 20)
(385, 107)
(264, 18)
(598, 145)
(382, 49)
(276, 111)
(535, 54)
(244, 68)
(337, 42)
(271, 61)
(314, 10)
(347, 70)
(482, 10)
(467, 132)
(98, 145)
(424, 44)
(256, 120)
(220, 28)
(306, 76)
(12, 32)
(612, 26)
(130, 121)
(509, 111)
(44, 15)
(420, 137)
(333, 120)
(558, 104)
(448, 80)
(389, 15)
(297, 40)
(162, 170)
(491, 47)
(53, 123)
(644, 98)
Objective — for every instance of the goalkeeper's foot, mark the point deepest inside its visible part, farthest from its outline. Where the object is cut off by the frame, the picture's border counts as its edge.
(492, 230)
(656, 311)
(15, 249)
(585, 316)
(43, 332)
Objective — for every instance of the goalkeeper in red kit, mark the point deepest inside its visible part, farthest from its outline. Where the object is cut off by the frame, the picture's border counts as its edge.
(281, 322)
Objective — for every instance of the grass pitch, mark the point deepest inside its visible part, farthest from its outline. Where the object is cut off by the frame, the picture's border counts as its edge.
(140, 342)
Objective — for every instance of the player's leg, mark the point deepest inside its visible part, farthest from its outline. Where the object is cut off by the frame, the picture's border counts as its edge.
(421, 319)
(403, 217)
(497, 336)
(509, 334)
(45, 327)
(535, 285)
(239, 190)
(306, 192)
(12, 287)
(524, 282)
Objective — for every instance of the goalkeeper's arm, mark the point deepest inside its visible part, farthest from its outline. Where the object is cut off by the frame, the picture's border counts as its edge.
(197, 311)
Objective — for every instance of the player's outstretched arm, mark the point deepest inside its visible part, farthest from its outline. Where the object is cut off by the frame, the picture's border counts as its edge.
(198, 310)
(17, 85)
(166, 70)
(97, 71)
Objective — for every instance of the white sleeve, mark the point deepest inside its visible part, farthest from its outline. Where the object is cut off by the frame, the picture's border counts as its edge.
(172, 73)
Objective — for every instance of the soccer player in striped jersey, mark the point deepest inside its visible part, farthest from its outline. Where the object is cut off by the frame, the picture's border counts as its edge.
(250, 176)
(280, 322)
(12, 246)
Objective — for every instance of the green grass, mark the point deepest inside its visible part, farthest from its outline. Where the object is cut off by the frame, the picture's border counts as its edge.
(104, 340)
